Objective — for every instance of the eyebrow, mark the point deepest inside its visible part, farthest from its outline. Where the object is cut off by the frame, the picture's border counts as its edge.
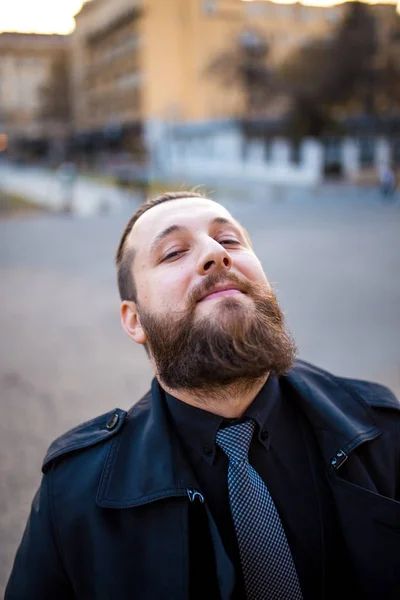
(224, 221)
(165, 233)
(180, 229)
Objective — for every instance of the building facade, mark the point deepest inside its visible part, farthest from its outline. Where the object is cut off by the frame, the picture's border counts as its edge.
(26, 66)
(136, 60)
(136, 65)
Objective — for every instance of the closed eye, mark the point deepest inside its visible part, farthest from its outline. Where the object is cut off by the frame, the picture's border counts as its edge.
(177, 253)
(229, 242)
(171, 255)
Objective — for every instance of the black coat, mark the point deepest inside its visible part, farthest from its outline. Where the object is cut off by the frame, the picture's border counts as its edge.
(117, 515)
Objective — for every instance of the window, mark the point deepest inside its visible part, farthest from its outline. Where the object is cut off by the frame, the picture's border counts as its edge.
(268, 149)
(332, 15)
(396, 152)
(286, 10)
(210, 6)
(367, 151)
(129, 80)
(295, 153)
(307, 14)
(333, 159)
(332, 150)
(256, 9)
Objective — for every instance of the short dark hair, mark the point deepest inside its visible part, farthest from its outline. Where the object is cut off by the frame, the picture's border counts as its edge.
(125, 256)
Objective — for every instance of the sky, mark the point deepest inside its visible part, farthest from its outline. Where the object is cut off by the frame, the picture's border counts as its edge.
(56, 16)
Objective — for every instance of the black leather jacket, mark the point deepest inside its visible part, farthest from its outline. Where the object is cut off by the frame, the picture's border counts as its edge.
(112, 518)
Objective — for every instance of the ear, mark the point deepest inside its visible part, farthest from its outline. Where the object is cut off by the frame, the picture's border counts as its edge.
(131, 322)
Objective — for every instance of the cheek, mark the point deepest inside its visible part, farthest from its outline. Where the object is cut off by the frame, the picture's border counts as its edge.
(166, 289)
(252, 269)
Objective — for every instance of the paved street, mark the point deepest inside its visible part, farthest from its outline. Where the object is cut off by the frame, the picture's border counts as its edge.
(332, 254)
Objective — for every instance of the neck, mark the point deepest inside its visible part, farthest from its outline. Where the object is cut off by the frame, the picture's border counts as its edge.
(229, 401)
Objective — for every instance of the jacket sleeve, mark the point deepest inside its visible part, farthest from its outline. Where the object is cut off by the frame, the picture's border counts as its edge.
(38, 573)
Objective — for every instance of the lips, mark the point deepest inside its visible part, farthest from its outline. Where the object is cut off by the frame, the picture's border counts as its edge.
(222, 290)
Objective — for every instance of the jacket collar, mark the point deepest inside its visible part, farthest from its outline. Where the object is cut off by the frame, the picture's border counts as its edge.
(340, 418)
(146, 461)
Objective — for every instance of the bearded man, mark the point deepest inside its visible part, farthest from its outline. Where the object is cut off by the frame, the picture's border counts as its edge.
(243, 473)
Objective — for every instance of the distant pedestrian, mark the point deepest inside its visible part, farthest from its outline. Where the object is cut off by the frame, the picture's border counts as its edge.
(387, 181)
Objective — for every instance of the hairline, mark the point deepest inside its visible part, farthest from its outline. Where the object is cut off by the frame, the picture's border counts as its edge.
(128, 245)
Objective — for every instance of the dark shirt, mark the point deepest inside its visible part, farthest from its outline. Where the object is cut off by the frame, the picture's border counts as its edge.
(284, 453)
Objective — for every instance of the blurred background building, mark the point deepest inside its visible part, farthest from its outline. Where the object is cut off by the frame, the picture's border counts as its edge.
(31, 67)
(164, 84)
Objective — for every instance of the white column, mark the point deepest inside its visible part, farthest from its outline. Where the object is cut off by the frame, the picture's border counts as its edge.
(312, 160)
(281, 152)
(382, 152)
(350, 159)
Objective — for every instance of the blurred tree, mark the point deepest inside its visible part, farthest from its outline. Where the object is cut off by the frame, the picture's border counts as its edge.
(354, 70)
(245, 66)
(350, 77)
(349, 73)
(56, 99)
(301, 77)
(389, 69)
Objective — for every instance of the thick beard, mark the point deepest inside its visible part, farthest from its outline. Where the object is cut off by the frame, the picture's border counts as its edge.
(237, 343)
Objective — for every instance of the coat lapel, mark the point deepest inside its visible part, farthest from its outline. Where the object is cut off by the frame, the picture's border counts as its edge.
(145, 462)
(340, 419)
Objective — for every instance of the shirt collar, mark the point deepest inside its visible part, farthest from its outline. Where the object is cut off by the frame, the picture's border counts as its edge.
(198, 428)
(264, 410)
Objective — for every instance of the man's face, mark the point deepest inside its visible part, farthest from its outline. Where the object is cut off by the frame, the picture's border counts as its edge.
(204, 305)
(179, 244)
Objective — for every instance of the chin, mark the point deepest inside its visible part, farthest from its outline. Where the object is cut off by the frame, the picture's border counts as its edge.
(237, 302)
(234, 302)
(225, 308)
(231, 300)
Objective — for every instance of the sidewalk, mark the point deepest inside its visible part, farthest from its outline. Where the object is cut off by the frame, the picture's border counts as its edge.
(44, 188)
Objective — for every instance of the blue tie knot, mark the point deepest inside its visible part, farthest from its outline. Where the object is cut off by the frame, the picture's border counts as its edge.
(235, 440)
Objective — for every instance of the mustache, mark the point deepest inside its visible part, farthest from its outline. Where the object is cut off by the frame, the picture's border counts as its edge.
(219, 277)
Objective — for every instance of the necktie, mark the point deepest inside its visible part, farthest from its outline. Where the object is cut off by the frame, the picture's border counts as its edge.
(268, 568)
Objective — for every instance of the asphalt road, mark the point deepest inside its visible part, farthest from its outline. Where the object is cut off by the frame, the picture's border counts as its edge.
(333, 256)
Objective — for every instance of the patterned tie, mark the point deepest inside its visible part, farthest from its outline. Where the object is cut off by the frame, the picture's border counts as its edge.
(268, 568)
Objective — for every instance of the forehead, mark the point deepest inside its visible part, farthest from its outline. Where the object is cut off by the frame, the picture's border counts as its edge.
(191, 213)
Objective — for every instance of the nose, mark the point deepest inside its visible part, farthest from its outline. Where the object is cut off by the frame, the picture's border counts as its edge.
(214, 256)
